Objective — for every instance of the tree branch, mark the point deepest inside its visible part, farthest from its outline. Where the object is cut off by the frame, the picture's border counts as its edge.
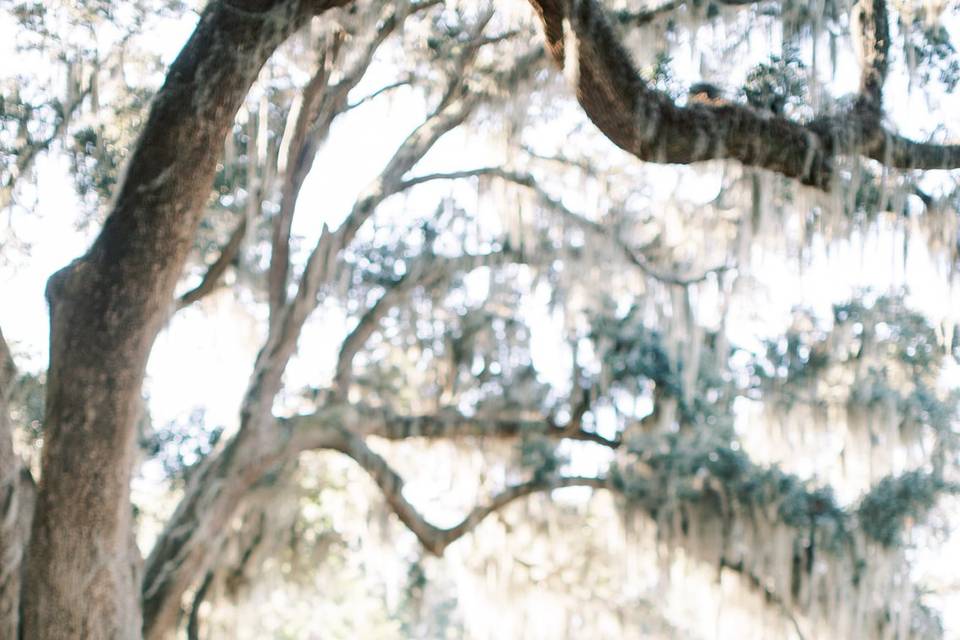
(193, 621)
(314, 431)
(437, 539)
(527, 180)
(874, 24)
(285, 330)
(646, 16)
(648, 124)
(376, 94)
(320, 104)
(211, 279)
(182, 550)
(300, 152)
(428, 270)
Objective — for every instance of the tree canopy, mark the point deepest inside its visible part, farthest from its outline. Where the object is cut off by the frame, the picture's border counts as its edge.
(630, 311)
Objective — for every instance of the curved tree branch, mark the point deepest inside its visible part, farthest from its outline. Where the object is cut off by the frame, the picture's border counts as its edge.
(437, 539)
(211, 279)
(649, 489)
(379, 92)
(648, 124)
(633, 255)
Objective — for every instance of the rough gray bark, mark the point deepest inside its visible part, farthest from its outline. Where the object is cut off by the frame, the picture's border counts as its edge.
(106, 310)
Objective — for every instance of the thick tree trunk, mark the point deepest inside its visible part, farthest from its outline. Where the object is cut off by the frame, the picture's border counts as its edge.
(106, 310)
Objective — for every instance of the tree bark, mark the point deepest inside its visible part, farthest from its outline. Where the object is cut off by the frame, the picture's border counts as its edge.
(106, 309)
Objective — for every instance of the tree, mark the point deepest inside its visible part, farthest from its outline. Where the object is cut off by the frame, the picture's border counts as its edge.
(70, 563)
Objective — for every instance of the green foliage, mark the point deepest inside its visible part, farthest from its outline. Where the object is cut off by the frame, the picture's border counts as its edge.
(635, 355)
(883, 512)
(541, 455)
(902, 333)
(179, 446)
(923, 406)
(95, 162)
(661, 75)
(892, 342)
(695, 468)
(26, 125)
(634, 352)
(796, 358)
(781, 82)
(930, 51)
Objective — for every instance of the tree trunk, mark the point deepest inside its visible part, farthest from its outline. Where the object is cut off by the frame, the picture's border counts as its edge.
(106, 310)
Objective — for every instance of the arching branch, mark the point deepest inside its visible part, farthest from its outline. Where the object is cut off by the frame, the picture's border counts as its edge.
(648, 124)
(379, 92)
(437, 539)
(529, 181)
(211, 279)
(808, 526)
